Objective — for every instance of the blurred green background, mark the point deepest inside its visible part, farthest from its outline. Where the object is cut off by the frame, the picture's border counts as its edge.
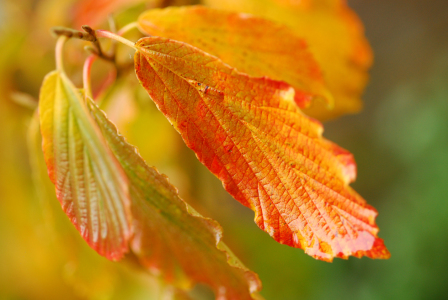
(400, 142)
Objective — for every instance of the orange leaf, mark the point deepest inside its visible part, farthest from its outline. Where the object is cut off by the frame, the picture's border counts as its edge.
(251, 44)
(269, 155)
(335, 36)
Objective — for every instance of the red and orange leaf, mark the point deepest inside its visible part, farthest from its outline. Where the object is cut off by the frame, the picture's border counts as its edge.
(335, 37)
(170, 237)
(253, 45)
(90, 184)
(269, 155)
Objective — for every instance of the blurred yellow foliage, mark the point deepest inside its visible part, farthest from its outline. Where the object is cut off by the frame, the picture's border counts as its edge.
(334, 35)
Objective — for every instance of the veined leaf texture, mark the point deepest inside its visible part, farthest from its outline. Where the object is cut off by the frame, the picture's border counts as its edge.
(169, 235)
(90, 183)
(268, 154)
(100, 179)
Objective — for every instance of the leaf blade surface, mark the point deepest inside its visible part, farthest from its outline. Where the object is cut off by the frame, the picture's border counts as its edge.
(335, 37)
(170, 237)
(89, 182)
(253, 45)
(268, 155)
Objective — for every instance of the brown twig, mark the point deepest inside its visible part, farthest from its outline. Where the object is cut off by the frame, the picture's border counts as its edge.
(71, 33)
(89, 35)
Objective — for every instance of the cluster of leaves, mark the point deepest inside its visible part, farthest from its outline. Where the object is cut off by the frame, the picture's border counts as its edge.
(241, 90)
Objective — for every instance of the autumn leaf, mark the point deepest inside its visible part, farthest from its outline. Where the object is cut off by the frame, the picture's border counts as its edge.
(269, 155)
(86, 275)
(335, 36)
(90, 184)
(251, 44)
(170, 237)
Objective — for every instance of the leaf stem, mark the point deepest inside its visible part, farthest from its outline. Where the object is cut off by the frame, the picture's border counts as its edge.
(112, 24)
(59, 51)
(86, 75)
(127, 28)
(110, 35)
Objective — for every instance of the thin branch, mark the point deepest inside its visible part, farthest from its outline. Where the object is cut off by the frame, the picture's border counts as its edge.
(97, 45)
(88, 35)
(71, 33)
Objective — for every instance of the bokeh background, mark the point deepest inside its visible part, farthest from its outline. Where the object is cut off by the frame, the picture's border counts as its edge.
(400, 142)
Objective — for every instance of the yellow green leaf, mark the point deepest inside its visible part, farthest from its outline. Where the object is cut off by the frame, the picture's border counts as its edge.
(90, 184)
(253, 45)
(170, 237)
(89, 161)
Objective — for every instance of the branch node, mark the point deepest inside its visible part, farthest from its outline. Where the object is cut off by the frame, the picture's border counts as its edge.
(90, 31)
(89, 35)
(71, 33)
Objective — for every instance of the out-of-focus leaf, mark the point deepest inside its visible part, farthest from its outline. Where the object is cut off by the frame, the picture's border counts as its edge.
(90, 183)
(335, 36)
(95, 12)
(170, 237)
(251, 44)
(269, 156)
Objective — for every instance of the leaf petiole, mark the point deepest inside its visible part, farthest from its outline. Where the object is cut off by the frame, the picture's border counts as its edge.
(110, 35)
(59, 51)
(86, 75)
(127, 28)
